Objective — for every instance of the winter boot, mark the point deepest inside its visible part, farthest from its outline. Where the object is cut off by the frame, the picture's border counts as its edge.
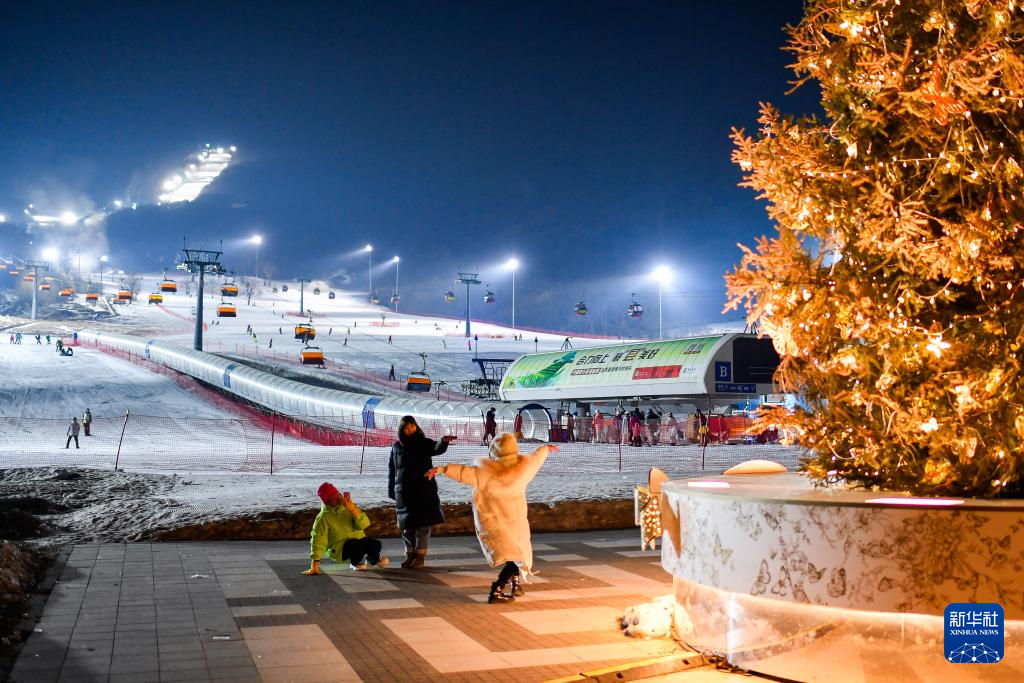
(497, 596)
(419, 560)
(410, 555)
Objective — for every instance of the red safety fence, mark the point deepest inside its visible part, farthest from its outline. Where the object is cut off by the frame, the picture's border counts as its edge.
(273, 443)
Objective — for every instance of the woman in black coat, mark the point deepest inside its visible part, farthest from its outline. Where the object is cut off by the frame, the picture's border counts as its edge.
(416, 502)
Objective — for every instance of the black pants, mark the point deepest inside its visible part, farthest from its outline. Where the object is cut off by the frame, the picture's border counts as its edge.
(357, 550)
(72, 436)
(86, 426)
(507, 572)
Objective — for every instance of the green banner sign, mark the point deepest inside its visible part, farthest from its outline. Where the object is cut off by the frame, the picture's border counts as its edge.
(640, 364)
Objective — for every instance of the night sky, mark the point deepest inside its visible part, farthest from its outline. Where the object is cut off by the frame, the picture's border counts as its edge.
(587, 139)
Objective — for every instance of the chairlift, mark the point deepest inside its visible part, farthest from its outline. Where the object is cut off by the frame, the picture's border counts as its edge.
(92, 297)
(156, 298)
(274, 290)
(419, 381)
(395, 299)
(67, 293)
(228, 289)
(316, 291)
(14, 273)
(45, 286)
(305, 331)
(449, 296)
(29, 278)
(375, 300)
(168, 285)
(331, 295)
(635, 309)
(312, 355)
(488, 296)
(580, 308)
(226, 310)
(124, 295)
(284, 288)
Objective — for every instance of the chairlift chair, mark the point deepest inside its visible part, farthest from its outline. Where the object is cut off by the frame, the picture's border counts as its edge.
(29, 278)
(66, 293)
(312, 355)
(168, 286)
(124, 295)
(156, 298)
(449, 296)
(228, 289)
(92, 297)
(45, 286)
(635, 309)
(395, 299)
(419, 381)
(305, 331)
(284, 288)
(581, 308)
(14, 273)
(488, 296)
(226, 310)
(316, 291)
(331, 295)
(375, 300)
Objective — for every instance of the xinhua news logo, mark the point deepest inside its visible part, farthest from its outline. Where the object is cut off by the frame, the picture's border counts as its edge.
(974, 632)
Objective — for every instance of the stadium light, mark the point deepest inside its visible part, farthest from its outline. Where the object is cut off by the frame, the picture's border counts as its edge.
(68, 218)
(663, 274)
(50, 254)
(369, 255)
(512, 264)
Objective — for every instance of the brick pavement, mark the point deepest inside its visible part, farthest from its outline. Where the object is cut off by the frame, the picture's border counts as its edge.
(242, 611)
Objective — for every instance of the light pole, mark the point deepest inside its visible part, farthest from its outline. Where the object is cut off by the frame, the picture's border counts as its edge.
(662, 275)
(396, 261)
(258, 241)
(369, 271)
(512, 264)
(103, 259)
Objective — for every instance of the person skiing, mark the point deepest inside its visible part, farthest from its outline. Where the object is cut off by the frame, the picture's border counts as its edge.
(490, 426)
(39, 339)
(391, 373)
(271, 343)
(17, 338)
(87, 422)
(338, 532)
(499, 484)
(72, 433)
(417, 506)
(389, 339)
(330, 331)
(47, 340)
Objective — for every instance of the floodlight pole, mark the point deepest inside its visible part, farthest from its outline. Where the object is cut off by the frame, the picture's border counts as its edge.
(36, 266)
(468, 279)
(201, 261)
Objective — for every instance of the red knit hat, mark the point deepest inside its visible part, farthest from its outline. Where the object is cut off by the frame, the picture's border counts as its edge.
(327, 490)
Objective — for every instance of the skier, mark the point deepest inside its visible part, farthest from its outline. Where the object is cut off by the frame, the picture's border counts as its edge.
(87, 422)
(39, 339)
(345, 343)
(391, 374)
(490, 426)
(47, 340)
(499, 509)
(339, 532)
(271, 343)
(73, 429)
(389, 339)
(329, 331)
(417, 506)
(17, 338)
(279, 331)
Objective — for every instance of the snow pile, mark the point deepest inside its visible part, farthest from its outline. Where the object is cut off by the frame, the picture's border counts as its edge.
(649, 619)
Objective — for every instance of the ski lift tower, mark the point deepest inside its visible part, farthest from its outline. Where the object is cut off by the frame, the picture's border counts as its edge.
(468, 279)
(201, 261)
(302, 295)
(36, 266)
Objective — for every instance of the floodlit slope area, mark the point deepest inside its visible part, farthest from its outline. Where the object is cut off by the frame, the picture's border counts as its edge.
(36, 382)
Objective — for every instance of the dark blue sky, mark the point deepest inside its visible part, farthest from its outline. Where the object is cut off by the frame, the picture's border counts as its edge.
(589, 139)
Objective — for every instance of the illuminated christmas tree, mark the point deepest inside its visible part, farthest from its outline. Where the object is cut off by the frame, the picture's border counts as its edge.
(893, 289)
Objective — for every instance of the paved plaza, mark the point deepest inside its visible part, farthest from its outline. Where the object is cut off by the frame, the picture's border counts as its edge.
(241, 611)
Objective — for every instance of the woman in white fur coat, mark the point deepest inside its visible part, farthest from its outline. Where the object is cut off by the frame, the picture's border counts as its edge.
(499, 508)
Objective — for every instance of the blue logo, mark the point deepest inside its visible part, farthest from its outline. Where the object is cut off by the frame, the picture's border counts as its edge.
(723, 371)
(974, 632)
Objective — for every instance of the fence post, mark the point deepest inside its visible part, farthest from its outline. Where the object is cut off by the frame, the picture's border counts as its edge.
(620, 453)
(273, 432)
(362, 454)
(117, 458)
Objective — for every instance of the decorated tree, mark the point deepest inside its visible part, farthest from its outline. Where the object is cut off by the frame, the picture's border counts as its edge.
(893, 289)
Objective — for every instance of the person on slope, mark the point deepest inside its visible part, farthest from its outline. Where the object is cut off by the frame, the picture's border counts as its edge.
(73, 429)
(87, 422)
(417, 505)
(339, 532)
(490, 426)
(499, 509)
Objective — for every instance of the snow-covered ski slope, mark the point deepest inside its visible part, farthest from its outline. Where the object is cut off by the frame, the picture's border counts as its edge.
(350, 330)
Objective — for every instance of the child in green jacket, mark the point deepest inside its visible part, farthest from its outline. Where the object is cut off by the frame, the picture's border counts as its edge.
(338, 532)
